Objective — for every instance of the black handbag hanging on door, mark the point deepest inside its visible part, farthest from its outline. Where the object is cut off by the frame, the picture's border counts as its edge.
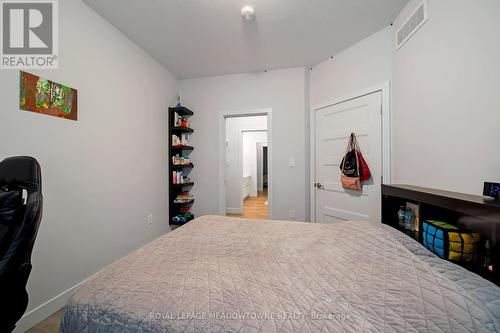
(349, 164)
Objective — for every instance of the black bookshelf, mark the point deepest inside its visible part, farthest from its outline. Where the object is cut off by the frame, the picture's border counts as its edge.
(469, 212)
(179, 208)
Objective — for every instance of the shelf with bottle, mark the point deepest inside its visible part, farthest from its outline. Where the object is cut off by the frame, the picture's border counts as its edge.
(470, 214)
(409, 219)
(180, 165)
(184, 198)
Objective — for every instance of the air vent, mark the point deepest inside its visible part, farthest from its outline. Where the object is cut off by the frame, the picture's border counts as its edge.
(412, 24)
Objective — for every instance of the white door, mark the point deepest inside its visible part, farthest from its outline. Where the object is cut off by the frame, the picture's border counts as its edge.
(333, 126)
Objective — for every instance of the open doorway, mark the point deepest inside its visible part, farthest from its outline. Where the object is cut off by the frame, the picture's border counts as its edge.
(246, 168)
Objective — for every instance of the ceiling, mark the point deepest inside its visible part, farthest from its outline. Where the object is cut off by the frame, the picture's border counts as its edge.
(197, 38)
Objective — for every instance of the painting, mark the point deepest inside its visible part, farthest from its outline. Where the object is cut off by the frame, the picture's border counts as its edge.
(44, 96)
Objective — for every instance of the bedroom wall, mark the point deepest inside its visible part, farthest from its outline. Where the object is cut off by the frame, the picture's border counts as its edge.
(366, 63)
(234, 158)
(445, 98)
(103, 174)
(281, 90)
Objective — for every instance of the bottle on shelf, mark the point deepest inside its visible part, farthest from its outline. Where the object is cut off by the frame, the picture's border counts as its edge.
(487, 262)
(401, 216)
(409, 223)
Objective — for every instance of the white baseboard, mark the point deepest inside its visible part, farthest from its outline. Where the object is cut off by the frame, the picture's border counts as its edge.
(41, 312)
(44, 310)
(230, 210)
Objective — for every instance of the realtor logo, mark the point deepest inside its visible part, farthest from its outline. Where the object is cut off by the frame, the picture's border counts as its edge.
(29, 34)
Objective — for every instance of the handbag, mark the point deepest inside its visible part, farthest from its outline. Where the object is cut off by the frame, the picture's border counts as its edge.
(354, 164)
(364, 170)
(351, 183)
(349, 166)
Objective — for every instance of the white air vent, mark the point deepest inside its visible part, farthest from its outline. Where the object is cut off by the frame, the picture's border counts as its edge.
(412, 24)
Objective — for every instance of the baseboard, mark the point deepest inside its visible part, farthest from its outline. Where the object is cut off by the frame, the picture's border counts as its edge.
(41, 312)
(44, 310)
(230, 210)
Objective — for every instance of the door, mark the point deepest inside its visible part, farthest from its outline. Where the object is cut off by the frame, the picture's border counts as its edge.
(333, 126)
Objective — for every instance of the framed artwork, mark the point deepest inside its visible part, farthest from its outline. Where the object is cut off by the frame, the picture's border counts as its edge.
(44, 96)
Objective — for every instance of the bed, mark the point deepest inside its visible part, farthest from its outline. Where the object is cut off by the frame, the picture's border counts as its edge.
(220, 274)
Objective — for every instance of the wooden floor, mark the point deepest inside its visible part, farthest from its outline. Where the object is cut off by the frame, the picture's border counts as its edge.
(49, 325)
(255, 208)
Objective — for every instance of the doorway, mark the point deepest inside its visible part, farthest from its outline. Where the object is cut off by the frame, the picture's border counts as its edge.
(366, 115)
(245, 137)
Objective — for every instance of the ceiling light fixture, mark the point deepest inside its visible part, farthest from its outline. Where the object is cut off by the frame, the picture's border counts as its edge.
(248, 13)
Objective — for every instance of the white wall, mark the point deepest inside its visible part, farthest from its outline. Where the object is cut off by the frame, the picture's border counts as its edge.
(103, 174)
(250, 140)
(281, 90)
(446, 108)
(367, 63)
(234, 158)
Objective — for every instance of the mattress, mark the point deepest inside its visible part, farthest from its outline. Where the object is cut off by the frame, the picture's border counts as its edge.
(220, 274)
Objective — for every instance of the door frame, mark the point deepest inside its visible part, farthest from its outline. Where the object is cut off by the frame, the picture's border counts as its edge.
(223, 115)
(385, 89)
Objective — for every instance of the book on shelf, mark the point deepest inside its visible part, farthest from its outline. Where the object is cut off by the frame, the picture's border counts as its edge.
(178, 160)
(176, 119)
(184, 197)
(183, 140)
(179, 177)
(181, 121)
(415, 209)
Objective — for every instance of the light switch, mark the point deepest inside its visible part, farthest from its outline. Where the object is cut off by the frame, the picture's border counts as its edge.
(291, 162)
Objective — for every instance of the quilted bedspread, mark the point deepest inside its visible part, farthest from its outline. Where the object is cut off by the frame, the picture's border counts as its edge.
(219, 274)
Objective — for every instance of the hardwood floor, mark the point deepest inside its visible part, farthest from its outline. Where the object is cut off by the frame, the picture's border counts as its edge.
(49, 325)
(255, 208)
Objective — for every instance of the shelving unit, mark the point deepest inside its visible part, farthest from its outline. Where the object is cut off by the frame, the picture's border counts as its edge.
(175, 189)
(469, 212)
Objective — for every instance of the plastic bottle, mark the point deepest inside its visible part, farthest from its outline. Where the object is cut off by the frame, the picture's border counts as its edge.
(487, 255)
(409, 219)
(401, 216)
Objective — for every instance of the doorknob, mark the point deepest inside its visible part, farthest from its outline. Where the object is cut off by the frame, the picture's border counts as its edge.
(318, 185)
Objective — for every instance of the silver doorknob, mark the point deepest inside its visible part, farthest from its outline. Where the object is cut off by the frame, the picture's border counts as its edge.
(318, 185)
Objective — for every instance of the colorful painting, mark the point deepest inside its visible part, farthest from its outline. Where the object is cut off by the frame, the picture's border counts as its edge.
(47, 97)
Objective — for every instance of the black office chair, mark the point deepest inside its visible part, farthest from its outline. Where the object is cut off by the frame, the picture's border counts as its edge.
(21, 204)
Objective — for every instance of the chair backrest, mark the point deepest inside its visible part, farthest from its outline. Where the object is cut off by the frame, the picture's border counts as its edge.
(19, 174)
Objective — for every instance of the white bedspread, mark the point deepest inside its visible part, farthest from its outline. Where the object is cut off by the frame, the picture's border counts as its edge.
(219, 274)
